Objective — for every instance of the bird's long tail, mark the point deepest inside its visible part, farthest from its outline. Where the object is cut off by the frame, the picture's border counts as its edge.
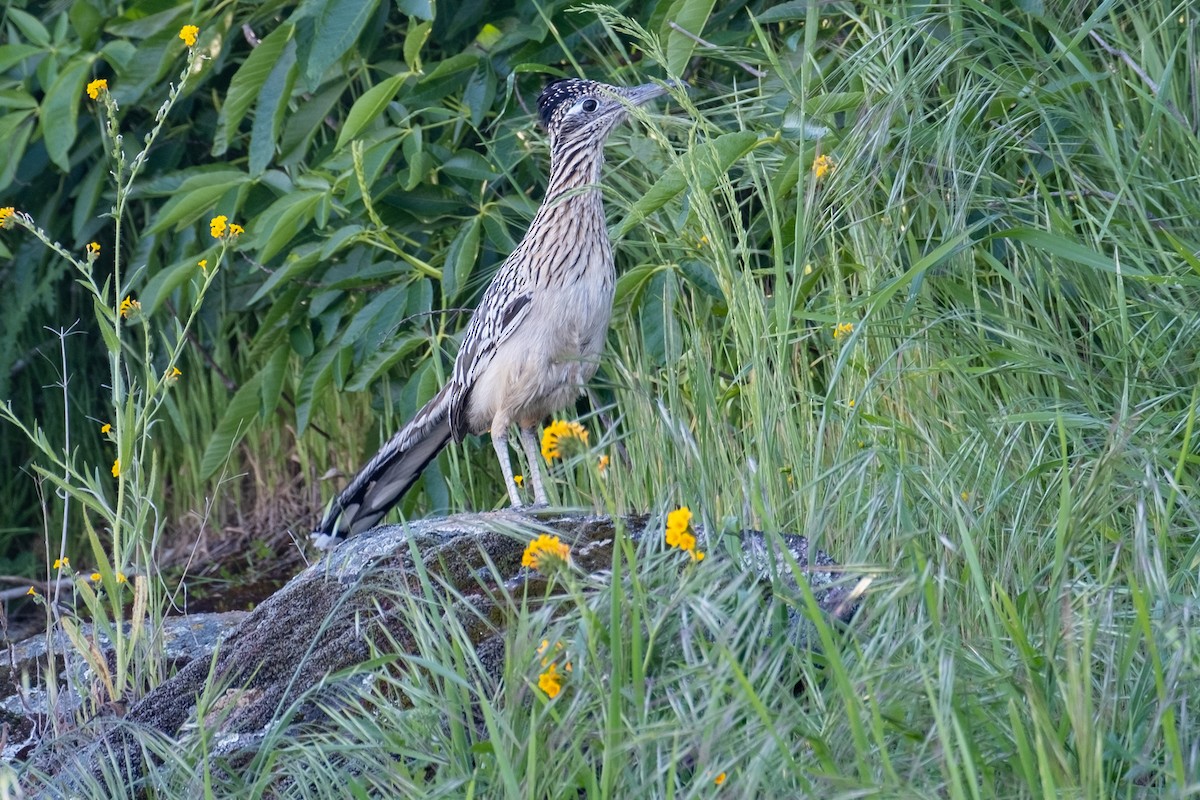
(387, 476)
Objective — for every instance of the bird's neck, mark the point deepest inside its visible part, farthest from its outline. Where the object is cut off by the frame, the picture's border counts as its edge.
(575, 171)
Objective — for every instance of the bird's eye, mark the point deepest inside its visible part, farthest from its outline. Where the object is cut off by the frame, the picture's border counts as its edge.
(590, 105)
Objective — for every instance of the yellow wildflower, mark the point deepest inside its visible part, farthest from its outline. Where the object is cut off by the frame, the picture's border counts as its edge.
(5, 214)
(120, 577)
(95, 576)
(851, 404)
(678, 533)
(235, 230)
(843, 329)
(62, 563)
(550, 682)
(519, 480)
(719, 779)
(93, 249)
(822, 166)
(96, 87)
(543, 550)
(173, 373)
(129, 306)
(558, 431)
(116, 470)
(965, 496)
(106, 428)
(218, 225)
(203, 264)
(188, 34)
(603, 465)
(32, 592)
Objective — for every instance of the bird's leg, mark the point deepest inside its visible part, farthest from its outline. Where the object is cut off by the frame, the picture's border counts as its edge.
(500, 442)
(532, 451)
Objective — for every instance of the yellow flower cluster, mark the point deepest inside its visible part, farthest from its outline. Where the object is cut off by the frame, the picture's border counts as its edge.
(556, 433)
(5, 214)
(62, 563)
(188, 33)
(822, 166)
(543, 550)
(220, 227)
(93, 249)
(843, 329)
(550, 681)
(603, 465)
(679, 534)
(129, 306)
(96, 87)
(116, 468)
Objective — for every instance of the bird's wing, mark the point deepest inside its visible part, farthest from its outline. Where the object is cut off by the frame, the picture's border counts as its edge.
(501, 311)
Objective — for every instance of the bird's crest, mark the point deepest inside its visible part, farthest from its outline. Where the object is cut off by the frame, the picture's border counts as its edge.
(559, 94)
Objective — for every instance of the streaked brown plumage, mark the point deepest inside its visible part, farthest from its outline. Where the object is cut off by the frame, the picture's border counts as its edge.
(535, 338)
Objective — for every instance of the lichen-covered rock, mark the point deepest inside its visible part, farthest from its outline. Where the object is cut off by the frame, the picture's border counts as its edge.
(329, 617)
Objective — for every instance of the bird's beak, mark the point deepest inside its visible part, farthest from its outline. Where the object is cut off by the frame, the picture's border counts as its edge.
(636, 95)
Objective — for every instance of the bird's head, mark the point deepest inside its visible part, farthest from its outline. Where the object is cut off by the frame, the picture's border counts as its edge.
(575, 110)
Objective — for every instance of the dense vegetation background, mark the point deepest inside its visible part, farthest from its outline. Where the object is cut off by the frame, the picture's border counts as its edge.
(964, 359)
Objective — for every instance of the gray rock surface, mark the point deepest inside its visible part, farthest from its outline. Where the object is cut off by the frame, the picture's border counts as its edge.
(328, 618)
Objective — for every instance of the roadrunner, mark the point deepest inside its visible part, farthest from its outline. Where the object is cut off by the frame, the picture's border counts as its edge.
(536, 337)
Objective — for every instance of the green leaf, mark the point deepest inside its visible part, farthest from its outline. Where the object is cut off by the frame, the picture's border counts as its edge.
(318, 372)
(421, 9)
(1066, 249)
(16, 98)
(461, 258)
(15, 130)
(196, 196)
(247, 83)
(691, 16)
(336, 27)
(284, 219)
(368, 107)
(14, 53)
(273, 376)
(234, 424)
(697, 169)
(414, 40)
(268, 114)
(60, 110)
(28, 25)
(160, 287)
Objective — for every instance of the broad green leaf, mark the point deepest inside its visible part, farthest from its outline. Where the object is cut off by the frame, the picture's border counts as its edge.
(28, 25)
(414, 40)
(15, 130)
(239, 415)
(317, 374)
(421, 9)
(336, 27)
(691, 16)
(16, 98)
(195, 197)
(284, 219)
(273, 376)
(60, 110)
(160, 287)
(367, 108)
(247, 84)
(698, 169)
(461, 258)
(14, 53)
(268, 114)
